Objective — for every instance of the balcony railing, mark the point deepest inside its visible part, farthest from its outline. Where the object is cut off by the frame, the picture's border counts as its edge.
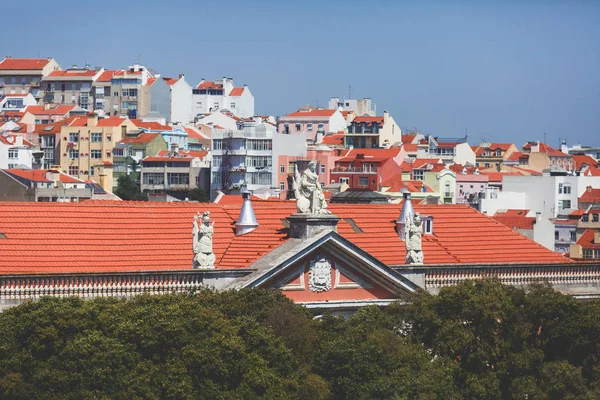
(347, 170)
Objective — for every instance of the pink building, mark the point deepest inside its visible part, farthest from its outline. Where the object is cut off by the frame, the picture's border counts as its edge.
(311, 121)
(470, 186)
(368, 168)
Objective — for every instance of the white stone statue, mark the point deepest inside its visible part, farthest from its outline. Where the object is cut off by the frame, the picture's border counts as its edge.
(319, 275)
(202, 242)
(413, 239)
(309, 196)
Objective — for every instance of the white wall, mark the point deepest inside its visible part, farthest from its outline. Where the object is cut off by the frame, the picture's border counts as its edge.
(464, 154)
(218, 118)
(181, 102)
(337, 122)
(24, 154)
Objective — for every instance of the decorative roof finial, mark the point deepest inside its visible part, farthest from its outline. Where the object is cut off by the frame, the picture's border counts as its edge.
(247, 222)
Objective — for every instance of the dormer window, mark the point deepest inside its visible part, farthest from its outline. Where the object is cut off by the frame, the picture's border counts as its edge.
(585, 218)
(488, 152)
(498, 153)
(595, 218)
(427, 224)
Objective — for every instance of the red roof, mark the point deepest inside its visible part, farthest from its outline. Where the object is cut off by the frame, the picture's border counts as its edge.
(367, 154)
(23, 63)
(498, 176)
(58, 110)
(369, 119)
(407, 139)
(39, 175)
(150, 81)
(194, 134)
(515, 222)
(581, 159)
(590, 195)
(515, 156)
(587, 240)
(90, 72)
(335, 139)
(410, 148)
(209, 85)
(236, 91)
(312, 113)
(106, 76)
(153, 126)
(592, 172)
(397, 185)
(170, 81)
(90, 236)
(111, 121)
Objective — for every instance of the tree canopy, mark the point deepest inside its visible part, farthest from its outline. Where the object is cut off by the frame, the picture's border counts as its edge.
(477, 340)
(128, 190)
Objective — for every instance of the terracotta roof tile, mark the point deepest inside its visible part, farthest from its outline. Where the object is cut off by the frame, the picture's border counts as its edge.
(106, 76)
(62, 109)
(23, 63)
(152, 125)
(590, 195)
(587, 240)
(90, 73)
(90, 236)
(312, 113)
(581, 159)
(38, 175)
(236, 92)
(141, 138)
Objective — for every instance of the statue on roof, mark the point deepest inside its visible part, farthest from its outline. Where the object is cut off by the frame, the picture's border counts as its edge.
(202, 241)
(413, 239)
(309, 196)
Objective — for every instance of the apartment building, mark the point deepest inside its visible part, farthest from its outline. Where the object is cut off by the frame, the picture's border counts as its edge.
(24, 75)
(16, 102)
(309, 121)
(362, 108)
(86, 147)
(42, 186)
(124, 92)
(221, 94)
(365, 169)
(492, 155)
(172, 99)
(372, 132)
(71, 86)
(136, 145)
(15, 151)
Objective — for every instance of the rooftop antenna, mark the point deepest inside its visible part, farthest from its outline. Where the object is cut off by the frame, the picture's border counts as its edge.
(544, 137)
(349, 92)
(140, 58)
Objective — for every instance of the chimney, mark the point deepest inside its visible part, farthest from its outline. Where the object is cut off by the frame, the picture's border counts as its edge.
(386, 116)
(247, 221)
(407, 210)
(181, 76)
(92, 120)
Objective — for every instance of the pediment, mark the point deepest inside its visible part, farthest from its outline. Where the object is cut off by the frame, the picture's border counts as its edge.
(327, 268)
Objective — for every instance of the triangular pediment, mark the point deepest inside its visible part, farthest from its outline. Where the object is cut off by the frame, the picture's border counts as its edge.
(324, 269)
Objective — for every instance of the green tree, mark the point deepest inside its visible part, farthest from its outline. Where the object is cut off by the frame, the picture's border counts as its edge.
(128, 190)
(198, 194)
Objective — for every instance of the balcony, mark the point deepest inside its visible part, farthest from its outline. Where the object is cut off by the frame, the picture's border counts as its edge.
(448, 195)
(35, 84)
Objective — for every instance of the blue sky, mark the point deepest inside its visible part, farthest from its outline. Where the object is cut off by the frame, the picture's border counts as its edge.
(503, 70)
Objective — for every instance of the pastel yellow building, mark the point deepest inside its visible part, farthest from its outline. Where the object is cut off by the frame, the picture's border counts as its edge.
(86, 147)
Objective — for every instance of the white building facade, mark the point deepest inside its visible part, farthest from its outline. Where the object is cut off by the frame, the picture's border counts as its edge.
(221, 94)
(14, 153)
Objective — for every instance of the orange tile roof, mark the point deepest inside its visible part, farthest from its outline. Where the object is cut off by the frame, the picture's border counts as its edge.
(498, 176)
(397, 185)
(370, 154)
(39, 175)
(236, 92)
(410, 148)
(592, 172)
(106, 76)
(515, 156)
(369, 119)
(581, 159)
(170, 81)
(111, 121)
(150, 81)
(23, 63)
(590, 195)
(515, 222)
(312, 113)
(587, 240)
(58, 110)
(194, 134)
(209, 85)
(90, 72)
(407, 139)
(90, 236)
(335, 139)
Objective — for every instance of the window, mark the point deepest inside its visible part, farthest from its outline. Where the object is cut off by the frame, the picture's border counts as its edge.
(585, 218)
(427, 225)
(298, 127)
(573, 236)
(199, 104)
(556, 235)
(309, 127)
(73, 99)
(564, 204)
(73, 86)
(498, 153)
(74, 137)
(567, 189)
(321, 127)
(322, 168)
(96, 137)
(282, 168)
(258, 161)
(13, 153)
(178, 179)
(73, 170)
(487, 164)
(108, 138)
(344, 180)
(282, 186)
(96, 153)
(363, 181)
(155, 178)
(595, 218)
(588, 253)
(91, 171)
(116, 94)
(560, 188)
(118, 152)
(108, 154)
(418, 174)
(232, 105)
(260, 144)
(73, 154)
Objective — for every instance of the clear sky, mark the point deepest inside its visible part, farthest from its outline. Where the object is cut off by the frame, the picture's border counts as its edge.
(502, 70)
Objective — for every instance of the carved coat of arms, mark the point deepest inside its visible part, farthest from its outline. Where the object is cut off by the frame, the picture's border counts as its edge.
(319, 275)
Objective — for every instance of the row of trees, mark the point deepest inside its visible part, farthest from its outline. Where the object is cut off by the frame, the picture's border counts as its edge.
(478, 340)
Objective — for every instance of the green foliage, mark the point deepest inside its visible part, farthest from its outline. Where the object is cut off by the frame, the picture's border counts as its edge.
(477, 340)
(198, 194)
(128, 190)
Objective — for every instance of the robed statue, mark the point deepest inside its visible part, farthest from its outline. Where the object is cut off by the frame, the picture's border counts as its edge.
(307, 189)
(202, 241)
(413, 239)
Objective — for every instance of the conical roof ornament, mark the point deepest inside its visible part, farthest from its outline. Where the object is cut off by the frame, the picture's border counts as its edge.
(407, 211)
(247, 221)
